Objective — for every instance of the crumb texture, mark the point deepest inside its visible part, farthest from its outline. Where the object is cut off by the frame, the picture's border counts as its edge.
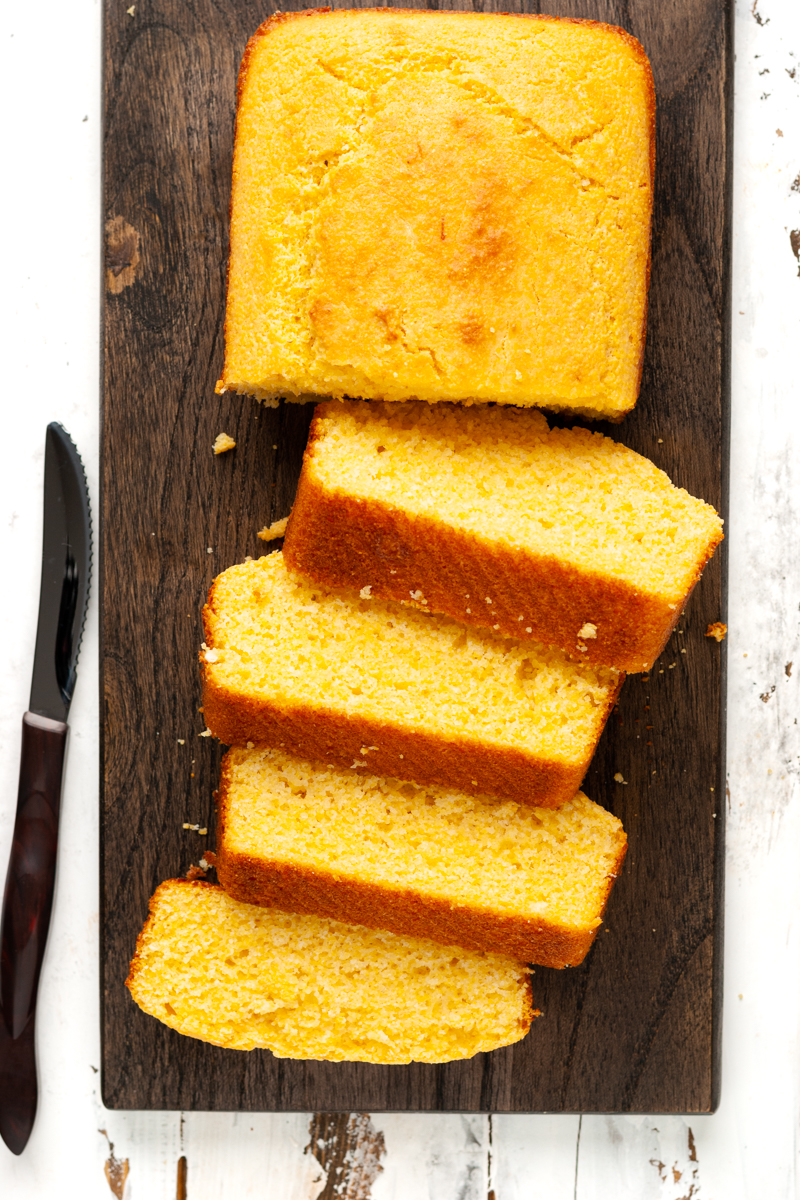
(305, 987)
(279, 642)
(383, 850)
(441, 206)
(588, 539)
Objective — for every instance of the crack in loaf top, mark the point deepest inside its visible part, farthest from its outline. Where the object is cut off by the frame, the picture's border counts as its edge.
(442, 206)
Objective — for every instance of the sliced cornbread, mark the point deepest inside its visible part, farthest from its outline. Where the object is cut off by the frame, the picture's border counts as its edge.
(371, 685)
(490, 516)
(428, 861)
(441, 206)
(305, 987)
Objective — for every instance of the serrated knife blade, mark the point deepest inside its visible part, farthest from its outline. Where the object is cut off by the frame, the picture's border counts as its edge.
(28, 897)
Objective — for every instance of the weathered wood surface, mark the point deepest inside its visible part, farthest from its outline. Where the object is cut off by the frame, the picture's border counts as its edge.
(636, 1028)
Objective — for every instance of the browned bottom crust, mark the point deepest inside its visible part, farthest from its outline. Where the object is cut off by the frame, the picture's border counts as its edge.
(345, 543)
(330, 737)
(305, 890)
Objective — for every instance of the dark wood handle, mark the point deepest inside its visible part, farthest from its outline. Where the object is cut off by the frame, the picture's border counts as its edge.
(28, 898)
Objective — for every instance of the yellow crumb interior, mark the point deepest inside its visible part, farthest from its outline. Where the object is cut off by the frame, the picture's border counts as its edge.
(304, 987)
(486, 854)
(505, 476)
(441, 206)
(277, 637)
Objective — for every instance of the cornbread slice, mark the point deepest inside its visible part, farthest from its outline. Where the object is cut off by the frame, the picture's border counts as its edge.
(370, 685)
(491, 517)
(305, 987)
(441, 206)
(429, 861)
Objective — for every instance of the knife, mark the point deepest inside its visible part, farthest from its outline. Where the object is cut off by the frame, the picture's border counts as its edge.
(28, 899)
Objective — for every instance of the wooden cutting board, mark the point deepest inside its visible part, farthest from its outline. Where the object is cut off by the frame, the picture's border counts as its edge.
(636, 1028)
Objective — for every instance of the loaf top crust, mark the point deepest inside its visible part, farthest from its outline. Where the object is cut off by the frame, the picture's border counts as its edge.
(441, 206)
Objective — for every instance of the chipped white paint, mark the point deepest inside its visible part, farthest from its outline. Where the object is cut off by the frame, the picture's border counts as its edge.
(50, 303)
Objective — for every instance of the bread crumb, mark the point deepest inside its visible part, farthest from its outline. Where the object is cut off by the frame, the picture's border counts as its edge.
(181, 741)
(581, 647)
(195, 873)
(495, 627)
(587, 631)
(528, 629)
(717, 631)
(223, 442)
(205, 733)
(186, 825)
(204, 863)
(366, 592)
(211, 656)
(131, 11)
(366, 749)
(418, 596)
(276, 530)
(250, 745)
(618, 778)
(488, 601)
(209, 549)
(203, 832)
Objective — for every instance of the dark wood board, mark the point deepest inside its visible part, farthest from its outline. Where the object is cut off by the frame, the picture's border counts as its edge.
(636, 1028)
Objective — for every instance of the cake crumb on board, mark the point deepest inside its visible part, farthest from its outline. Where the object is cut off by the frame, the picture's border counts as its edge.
(717, 631)
(223, 442)
(276, 530)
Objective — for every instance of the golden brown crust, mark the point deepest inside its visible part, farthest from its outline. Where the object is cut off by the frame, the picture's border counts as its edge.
(265, 881)
(632, 44)
(332, 737)
(325, 735)
(346, 543)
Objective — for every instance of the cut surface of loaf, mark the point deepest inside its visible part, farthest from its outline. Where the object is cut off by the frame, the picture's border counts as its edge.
(244, 977)
(578, 541)
(441, 206)
(327, 676)
(429, 861)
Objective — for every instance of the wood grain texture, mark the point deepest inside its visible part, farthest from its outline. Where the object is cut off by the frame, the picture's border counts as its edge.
(636, 1028)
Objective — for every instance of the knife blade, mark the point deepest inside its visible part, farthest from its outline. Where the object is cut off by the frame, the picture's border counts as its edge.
(28, 897)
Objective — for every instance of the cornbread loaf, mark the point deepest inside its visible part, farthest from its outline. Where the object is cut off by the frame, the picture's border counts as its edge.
(441, 206)
(470, 871)
(488, 515)
(372, 685)
(305, 987)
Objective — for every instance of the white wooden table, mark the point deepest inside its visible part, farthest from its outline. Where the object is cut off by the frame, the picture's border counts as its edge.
(50, 80)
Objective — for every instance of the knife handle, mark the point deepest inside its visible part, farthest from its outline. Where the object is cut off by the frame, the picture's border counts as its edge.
(28, 898)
